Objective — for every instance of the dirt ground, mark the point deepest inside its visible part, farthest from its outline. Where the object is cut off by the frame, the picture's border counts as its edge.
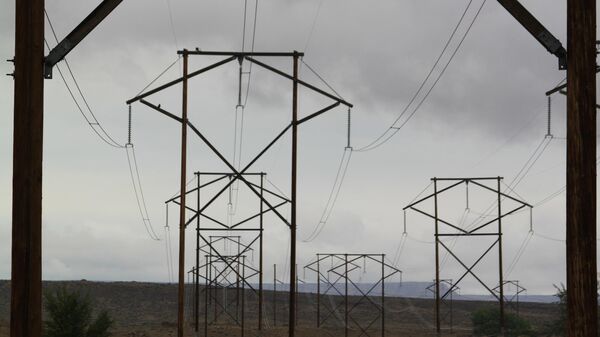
(149, 310)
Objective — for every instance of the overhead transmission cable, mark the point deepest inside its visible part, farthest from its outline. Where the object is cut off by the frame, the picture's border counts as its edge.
(558, 192)
(519, 253)
(240, 108)
(405, 232)
(510, 139)
(91, 120)
(101, 132)
(168, 245)
(313, 25)
(137, 187)
(341, 171)
(172, 23)
(395, 127)
(518, 178)
(333, 195)
(521, 174)
(160, 75)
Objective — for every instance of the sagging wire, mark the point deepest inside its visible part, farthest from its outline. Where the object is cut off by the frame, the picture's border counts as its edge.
(523, 246)
(333, 195)
(241, 107)
(555, 194)
(519, 253)
(400, 249)
(338, 182)
(186, 186)
(160, 75)
(525, 169)
(169, 252)
(137, 184)
(172, 23)
(321, 79)
(405, 233)
(420, 241)
(314, 23)
(401, 244)
(92, 121)
(392, 130)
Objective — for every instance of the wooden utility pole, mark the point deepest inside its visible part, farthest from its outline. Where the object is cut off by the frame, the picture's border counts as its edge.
(293, 224)
(26, 264)
(184, 120)
(582, 304)
(30, 69)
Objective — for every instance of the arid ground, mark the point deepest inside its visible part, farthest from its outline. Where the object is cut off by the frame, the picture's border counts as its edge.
(149, 310)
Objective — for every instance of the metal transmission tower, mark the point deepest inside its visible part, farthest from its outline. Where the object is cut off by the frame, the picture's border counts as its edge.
(238, 174)
(336, 276)
(448, 301)
(485, 228)
(223, 274)
(207, 193)
(515, 289)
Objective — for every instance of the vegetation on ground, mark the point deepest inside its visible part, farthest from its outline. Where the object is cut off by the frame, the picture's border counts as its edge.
(71, 314)
(486, 322)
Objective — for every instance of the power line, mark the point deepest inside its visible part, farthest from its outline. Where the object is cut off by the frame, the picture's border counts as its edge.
(524, 174)
(160, 75)
(519, 253)
(314, 23)
(141, 202)
(558, 192)
(333, 195)
(548, 237)
(551, 196)
(276, 188)
(392, 130)
(341, 172)
(529, 163)
(321, 78)
(399, 249)
(96, 131)
(168, 245)
(241, 108)
(172, 24)
(509, 139)
(93, 121)
(252, 50)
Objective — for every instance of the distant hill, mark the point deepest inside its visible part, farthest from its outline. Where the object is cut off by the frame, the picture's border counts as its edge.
(405, 289)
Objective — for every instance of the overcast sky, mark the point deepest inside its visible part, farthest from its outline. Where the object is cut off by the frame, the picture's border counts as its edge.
(485, 117)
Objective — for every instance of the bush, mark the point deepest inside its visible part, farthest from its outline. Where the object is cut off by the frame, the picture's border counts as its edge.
(558, 326)
(71, 315)
(486, 322)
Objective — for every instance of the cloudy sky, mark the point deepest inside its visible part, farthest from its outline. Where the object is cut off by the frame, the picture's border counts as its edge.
(485, 117)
